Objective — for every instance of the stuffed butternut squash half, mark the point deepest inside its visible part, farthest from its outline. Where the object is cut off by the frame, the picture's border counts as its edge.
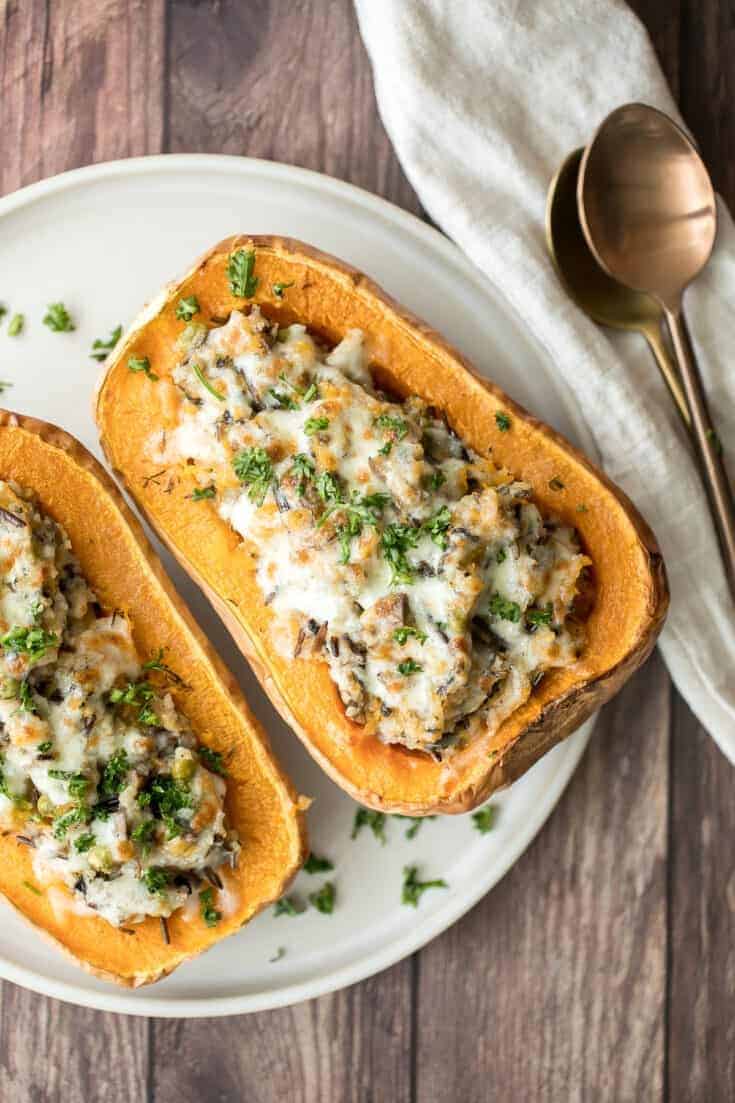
(142, 816)
(433, 587)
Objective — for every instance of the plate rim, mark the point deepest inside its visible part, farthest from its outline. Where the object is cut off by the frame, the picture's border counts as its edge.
(119, 1000)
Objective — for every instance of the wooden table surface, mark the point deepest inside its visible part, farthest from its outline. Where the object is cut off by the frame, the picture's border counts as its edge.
(603, 965)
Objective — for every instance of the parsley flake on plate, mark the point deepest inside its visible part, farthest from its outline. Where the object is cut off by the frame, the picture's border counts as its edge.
(413, 889)
(102, 349)
(313, 864)
(58, 319)
(484, 819)
(324, 899)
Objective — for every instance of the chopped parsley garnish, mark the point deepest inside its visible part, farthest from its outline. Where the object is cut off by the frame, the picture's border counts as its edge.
(187, 308)
(311, 392)
(501, 555)
(413, 889)
(102, 349)
(200, 493)
(45, 747)
(142, 364)
(4, 384)
(304, 468)
(408, 666)
(114, 774)
(144, 833)
(253, 466)
(196, 368)
(416, 824)
(359, 511)
(173, 827)
(3, 311)
(402, 635)
(540, 616)
(15, 325)
(208, 912)
(84, 843)
(33, 642)
(81, 814)
(386, 449)
(279, 288)
(502, 421)
(436, 526)
(504, 609)
(435, 480)
(32, 888)
(4, 789)
(483, 819)
(714, 440)
(212, 760)
(58, 319)
(556, 483)
(397, 426)
(240, 268)
(157, 663)
(280, 952)
(395, 541)
(287, 905)
(27, 704)
(155, 879)
(314, 425)
(138, 694)
(323, 900)
(317, 865)
(77, 783)
(283, 401)
(365, 817)
(165, 796)
(328, 488)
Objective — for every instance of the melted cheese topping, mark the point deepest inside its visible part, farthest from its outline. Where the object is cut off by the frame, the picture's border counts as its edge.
(100, 773)
(420, 572)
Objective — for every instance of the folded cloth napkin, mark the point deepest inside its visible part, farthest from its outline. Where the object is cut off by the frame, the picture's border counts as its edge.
(483, 100)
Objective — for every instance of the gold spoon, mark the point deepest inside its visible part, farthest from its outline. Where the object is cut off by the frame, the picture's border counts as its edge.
(647, 209)
(603, 299)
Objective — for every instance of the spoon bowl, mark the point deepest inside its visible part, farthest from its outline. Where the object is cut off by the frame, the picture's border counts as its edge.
(603, 299)
(647, 208)
(646, 203)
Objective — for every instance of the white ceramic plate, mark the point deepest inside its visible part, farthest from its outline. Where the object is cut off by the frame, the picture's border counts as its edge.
(103, 239)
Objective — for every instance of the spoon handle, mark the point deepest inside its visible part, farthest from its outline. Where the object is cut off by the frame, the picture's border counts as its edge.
(654, 336)
(707, 443)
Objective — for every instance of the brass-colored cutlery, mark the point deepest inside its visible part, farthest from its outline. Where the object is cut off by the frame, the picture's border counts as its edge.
(644, 229)
(602, 298)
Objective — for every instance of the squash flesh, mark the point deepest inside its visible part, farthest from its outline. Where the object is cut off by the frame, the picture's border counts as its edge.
(408, 358)
(118, 562)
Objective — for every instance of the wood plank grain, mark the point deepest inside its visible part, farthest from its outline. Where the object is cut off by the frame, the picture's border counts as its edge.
(663, 23)
(287, 80)
(352, 1047)
(553, 988)
(707, 47)
(50, 1050)
(78, 83)
(701, 1064)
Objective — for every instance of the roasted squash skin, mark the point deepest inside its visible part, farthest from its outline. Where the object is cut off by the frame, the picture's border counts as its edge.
(122, 568)
(631, 595)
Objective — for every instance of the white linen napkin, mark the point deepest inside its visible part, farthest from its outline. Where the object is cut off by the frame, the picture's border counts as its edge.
(483, 99)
